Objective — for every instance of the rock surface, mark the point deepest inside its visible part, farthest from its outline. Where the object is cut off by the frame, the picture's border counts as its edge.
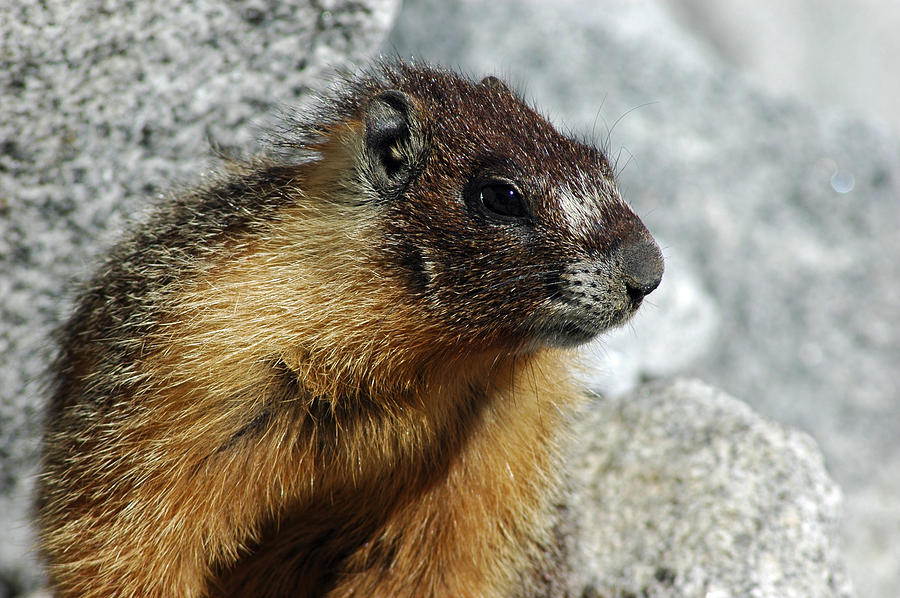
(778, 221)
(687, 492)
(103, 105)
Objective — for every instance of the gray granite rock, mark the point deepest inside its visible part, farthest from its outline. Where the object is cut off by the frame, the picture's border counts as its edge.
(689, 493)
(785, 219)
(103, 105)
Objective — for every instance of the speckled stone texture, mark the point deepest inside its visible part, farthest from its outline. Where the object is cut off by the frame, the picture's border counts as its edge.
(689, 493)
(104, 105)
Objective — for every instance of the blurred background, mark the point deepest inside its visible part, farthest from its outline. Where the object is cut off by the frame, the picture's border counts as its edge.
(759, 141)
(841, 54)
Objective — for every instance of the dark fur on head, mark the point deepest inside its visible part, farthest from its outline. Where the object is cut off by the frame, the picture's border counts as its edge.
(442, 139)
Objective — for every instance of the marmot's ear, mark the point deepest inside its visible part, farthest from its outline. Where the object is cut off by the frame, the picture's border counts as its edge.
(391, 135)
(492, 82)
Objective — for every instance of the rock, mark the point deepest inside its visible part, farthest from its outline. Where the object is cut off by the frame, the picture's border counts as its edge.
(687, 492)
(784, 216)
(103, 106)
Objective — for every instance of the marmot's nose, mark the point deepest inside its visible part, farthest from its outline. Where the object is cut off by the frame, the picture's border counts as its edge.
(642, 267)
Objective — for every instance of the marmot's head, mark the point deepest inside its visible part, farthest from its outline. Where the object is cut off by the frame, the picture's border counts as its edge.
(501, 229)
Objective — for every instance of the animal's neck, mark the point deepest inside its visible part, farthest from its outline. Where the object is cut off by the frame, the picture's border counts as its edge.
(446, 493)
(480, 487)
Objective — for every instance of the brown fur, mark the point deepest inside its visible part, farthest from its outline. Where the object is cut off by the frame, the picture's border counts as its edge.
(327, 373)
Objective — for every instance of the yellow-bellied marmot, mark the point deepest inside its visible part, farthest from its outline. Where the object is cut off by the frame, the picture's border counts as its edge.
(341, 368)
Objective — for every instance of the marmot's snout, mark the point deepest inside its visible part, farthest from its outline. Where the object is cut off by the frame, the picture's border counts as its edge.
(642, 267)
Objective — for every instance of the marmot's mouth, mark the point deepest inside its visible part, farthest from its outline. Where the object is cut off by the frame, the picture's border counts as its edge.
(567, 334)
(571, 330)
(567, 331)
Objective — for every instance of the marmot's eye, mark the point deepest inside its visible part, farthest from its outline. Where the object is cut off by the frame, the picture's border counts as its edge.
(503, 199)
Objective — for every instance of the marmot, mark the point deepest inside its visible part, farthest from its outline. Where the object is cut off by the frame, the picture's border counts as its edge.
(342, 367)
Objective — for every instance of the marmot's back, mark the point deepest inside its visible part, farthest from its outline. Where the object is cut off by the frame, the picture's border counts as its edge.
(340, 367)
